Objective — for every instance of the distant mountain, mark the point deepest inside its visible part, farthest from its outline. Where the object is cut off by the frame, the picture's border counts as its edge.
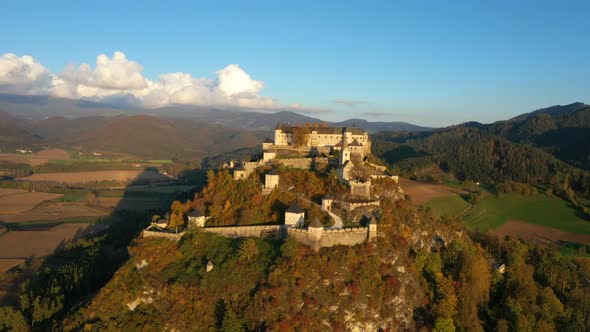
(563, 131)
(378, 126)
(141, 136)
(43, 107)
(552, 110)
(15, 133)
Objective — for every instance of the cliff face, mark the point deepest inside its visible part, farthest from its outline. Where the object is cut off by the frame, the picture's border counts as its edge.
(267, 285)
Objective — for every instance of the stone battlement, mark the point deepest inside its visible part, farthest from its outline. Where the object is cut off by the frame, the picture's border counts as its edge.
(166, 235)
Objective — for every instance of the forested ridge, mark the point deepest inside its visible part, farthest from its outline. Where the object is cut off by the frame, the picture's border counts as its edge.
(423, 273)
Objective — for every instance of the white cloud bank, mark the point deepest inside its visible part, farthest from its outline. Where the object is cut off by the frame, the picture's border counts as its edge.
(117, 79)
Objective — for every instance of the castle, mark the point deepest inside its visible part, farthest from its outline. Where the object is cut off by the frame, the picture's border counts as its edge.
(322, 137)
(312, 147)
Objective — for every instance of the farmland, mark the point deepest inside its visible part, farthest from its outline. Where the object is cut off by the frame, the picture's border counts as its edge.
(34, 224)
(537, 216)
(20, 202)
(421, 192)
(538, 209)
(98, 176)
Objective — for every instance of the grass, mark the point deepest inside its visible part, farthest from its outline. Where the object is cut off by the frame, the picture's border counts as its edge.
(448, 206)
(538, 209)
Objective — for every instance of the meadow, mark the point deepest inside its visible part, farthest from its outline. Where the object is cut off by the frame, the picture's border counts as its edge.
(538, 209)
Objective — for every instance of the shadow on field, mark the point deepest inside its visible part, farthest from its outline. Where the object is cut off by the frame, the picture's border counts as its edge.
(79, 267)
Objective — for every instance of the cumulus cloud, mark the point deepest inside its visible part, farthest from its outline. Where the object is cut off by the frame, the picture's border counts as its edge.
(23, 75)
(119, 80)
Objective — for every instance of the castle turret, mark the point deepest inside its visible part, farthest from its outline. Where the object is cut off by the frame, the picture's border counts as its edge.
(271, 179)
(344, 152)
(294, 216)
(315, 229)
(372, 229)
(327, 202)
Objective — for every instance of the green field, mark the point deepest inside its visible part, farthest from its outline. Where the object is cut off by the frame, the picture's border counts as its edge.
(448, 206)
(538, 209)
(492, 211)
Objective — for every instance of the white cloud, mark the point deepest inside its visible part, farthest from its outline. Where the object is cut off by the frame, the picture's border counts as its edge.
(117, 79)
(23, 74)
(232, 80)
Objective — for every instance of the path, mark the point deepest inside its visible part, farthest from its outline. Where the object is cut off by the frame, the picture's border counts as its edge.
(337, 221)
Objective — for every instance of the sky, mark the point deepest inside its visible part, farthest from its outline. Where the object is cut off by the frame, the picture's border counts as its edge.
(431, 63)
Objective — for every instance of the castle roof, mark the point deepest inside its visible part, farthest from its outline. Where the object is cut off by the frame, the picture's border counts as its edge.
(196, 213)
(328, 130)
(373, 220)
(354, 130)
(273, 172)
(316, 223)
(267, 140)
(286, 128)
(295, 208)
(239, 167)
(346, 164)
(355, 143)
(328, 196)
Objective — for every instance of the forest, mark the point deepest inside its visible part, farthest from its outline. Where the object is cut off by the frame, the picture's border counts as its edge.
(445, 280)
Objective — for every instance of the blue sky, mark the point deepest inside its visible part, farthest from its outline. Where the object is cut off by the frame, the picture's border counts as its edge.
(432, 63)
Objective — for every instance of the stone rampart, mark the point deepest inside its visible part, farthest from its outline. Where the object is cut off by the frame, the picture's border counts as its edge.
(329, 238)
(166, 235)
(303, 163)
(350, 206)
(274, 231)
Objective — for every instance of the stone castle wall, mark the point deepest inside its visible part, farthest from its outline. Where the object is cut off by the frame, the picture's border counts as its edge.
(171, 236)
(303, 163)
(362, 189)
(348, 206)
(329, 238)
(274, 231)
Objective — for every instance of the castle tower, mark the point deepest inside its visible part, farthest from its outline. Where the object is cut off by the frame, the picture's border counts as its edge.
(345, 151)
(327, 202)
(294, 216)
(372, 229)
(271, 179)
(267, 144)
(315, 229)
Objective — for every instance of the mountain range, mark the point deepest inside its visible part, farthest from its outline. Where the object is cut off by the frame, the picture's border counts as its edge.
(42, 107)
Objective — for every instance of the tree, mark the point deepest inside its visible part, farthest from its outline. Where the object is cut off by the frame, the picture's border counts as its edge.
(231, 322)
(444, 325)
(12, 320)
(90, 198)
(248, 249)
(300, 135)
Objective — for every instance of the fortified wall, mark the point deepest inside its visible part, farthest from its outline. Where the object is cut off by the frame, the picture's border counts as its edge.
(166, 235)
(303, 163)
(329, 238)
(270, 231)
